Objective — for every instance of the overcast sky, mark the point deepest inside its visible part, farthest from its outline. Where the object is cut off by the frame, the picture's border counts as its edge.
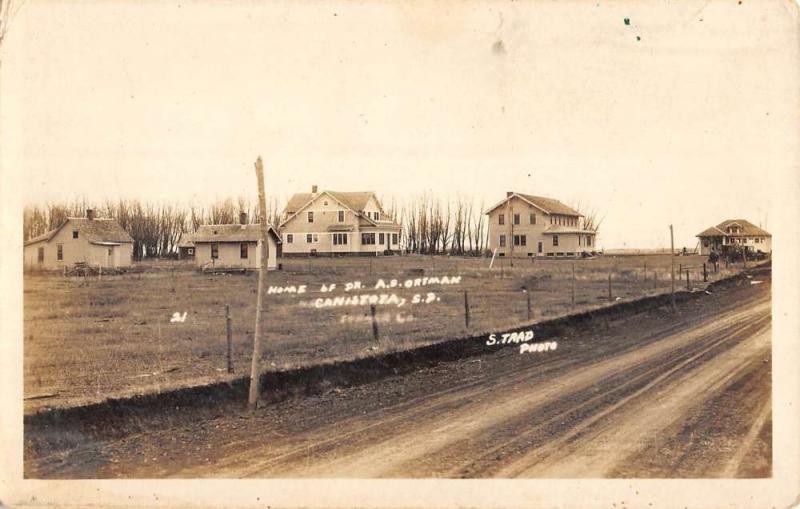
(684, 115)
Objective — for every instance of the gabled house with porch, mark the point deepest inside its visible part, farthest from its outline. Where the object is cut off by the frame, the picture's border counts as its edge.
(333, 222)
(234, 246)
(734, 235)
(527, 225)
(96, 241)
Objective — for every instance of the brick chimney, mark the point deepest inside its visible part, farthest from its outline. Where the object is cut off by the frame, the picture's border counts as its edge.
(242, 217)
(314, 189)
(90, 214)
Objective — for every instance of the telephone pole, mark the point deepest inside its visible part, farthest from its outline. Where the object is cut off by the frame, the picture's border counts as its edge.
(672, 259)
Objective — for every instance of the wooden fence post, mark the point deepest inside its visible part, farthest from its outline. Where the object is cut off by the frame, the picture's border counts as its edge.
(609, 286)
(687, 280)
(528, 296)
(705, 273)
(573, 286)
(466, 309)
(229, 333)
(374, 322)
(645, 272)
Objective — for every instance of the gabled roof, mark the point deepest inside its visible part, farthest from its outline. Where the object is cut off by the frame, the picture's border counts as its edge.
(353, 201)
(231, 233)
(187, 240)
(747, 229)
(711, 232)
(547, 205)
(95, 230)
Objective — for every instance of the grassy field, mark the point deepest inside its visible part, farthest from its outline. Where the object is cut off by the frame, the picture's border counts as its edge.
(87, 339)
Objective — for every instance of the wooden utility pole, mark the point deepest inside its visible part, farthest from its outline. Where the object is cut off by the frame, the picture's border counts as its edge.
(672, 259)
(255, 365)
(609, 286)
(229, 333)
(511, 231)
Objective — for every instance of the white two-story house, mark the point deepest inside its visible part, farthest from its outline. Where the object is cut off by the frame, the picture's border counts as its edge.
(526, 225)
(333, 222)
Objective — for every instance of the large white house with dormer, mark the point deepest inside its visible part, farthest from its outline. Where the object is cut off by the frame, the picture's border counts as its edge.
(333, 222)
(735, 234)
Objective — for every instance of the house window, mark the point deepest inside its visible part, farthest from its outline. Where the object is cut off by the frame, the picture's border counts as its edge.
(540, 248)
(60, 251)
(289, 238)
(520, 240)
(501, 219)
(75, 234)
(555, 240)
(376, 215)
(588, 240)
(311, 237)
(243, 250)
(532, 218)
(339, 239)
(705, 242)
(381, 238)
(325, 203)
(502, 241)
(214, 250)
(394, 239)
(190, 251)
(311, 217)
(516, 218)
(341, 216)
(40, 255)
(368, 238)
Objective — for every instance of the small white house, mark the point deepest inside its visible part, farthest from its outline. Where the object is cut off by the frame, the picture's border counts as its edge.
(227, 246)
(93, 240)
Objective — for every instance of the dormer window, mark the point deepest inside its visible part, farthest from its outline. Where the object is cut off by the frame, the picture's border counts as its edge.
(74, 234)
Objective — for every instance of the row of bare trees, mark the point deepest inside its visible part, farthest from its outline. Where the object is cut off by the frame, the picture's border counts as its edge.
(431, 225)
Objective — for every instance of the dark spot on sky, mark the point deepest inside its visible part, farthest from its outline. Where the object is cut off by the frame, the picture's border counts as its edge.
(627, 21)
(498, 48)
(638, 38)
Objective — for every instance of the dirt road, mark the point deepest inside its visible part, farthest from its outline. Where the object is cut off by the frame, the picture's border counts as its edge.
(654, 394)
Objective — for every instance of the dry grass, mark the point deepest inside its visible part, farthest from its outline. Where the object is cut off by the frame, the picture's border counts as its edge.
(88, 339)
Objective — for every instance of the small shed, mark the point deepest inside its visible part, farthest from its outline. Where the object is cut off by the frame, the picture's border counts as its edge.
(186, 247)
